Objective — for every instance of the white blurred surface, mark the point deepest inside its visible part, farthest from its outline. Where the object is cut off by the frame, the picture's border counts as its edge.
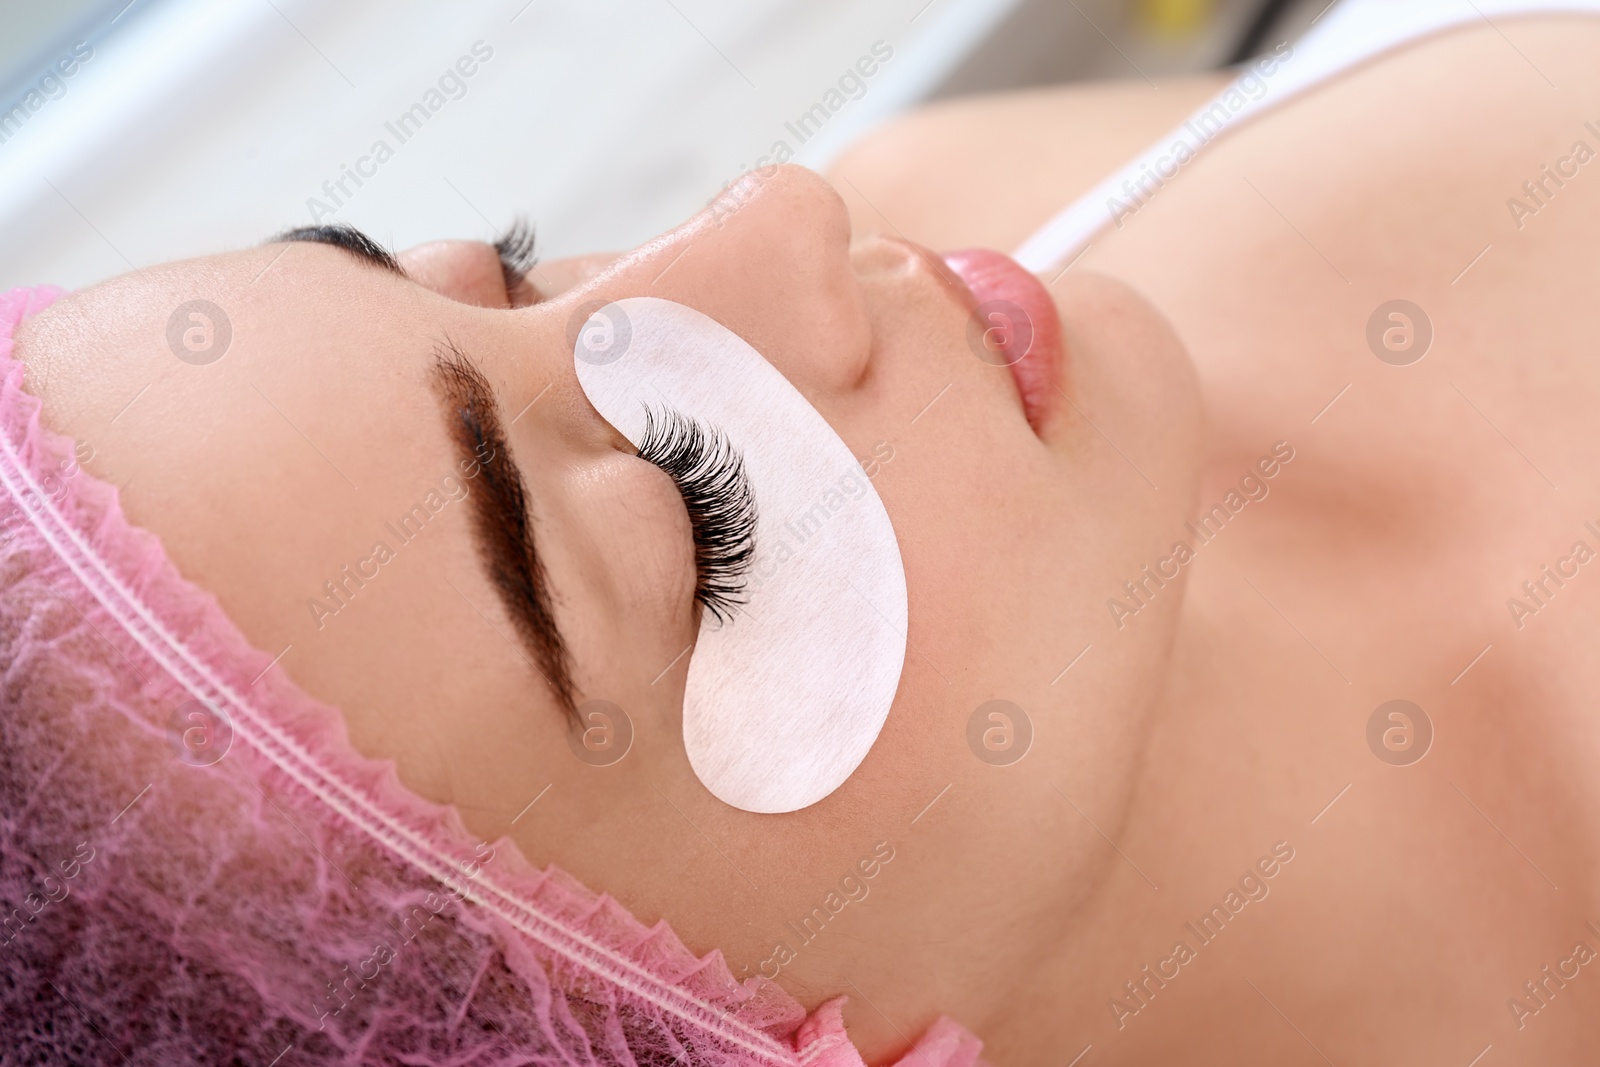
(201, 125)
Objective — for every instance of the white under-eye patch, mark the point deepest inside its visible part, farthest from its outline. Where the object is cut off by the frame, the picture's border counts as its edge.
(783, 699)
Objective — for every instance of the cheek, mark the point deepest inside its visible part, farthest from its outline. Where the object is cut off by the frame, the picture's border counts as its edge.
(619, 554)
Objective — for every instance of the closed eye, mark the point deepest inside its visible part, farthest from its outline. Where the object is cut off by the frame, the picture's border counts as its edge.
(710, 475)
(517, 258)
(515, 250)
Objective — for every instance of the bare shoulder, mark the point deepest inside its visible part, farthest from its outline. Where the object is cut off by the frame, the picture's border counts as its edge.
(987, 170)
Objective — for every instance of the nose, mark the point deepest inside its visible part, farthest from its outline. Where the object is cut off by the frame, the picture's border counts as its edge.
(769, 259)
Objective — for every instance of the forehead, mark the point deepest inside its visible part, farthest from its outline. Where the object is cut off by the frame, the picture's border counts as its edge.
(267, 415)
(286, 386)
(199, 312)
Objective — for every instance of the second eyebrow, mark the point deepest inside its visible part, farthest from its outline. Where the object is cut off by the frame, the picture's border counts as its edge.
(342, 235)
(500, 515)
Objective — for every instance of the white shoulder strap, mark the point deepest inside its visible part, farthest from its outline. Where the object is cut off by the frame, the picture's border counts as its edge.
(1351, 33)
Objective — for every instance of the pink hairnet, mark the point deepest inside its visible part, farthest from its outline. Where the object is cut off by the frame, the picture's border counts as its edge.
(196, 867)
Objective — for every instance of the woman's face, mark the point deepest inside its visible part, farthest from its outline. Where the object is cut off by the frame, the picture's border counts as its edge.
(278, 468)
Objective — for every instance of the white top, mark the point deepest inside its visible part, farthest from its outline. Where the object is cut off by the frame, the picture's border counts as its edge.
(1349, 34)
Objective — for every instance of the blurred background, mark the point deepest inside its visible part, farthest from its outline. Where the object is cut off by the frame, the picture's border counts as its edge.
(137, 132)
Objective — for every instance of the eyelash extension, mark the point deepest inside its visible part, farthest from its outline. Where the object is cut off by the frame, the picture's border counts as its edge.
(709, 473)
(517, 256)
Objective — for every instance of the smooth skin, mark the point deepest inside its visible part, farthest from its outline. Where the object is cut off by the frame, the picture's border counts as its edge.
(271, 469)
(1379, 568)
(1182, 746)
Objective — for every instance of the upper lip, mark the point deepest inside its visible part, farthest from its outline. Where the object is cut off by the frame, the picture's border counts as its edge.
(1015, 324)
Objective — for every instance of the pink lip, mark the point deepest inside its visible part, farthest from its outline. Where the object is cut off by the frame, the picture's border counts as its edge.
(1016, 325)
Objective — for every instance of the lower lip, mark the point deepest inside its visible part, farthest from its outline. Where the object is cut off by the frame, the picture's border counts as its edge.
(1016, 326)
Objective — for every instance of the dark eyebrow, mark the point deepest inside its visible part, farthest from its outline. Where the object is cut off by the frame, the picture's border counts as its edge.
(352, 240)
(500, 514)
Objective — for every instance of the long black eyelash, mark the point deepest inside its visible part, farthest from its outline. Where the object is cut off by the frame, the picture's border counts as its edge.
(517, 256)
(710, 474)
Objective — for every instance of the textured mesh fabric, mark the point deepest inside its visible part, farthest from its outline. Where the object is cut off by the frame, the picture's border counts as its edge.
(196, 867)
